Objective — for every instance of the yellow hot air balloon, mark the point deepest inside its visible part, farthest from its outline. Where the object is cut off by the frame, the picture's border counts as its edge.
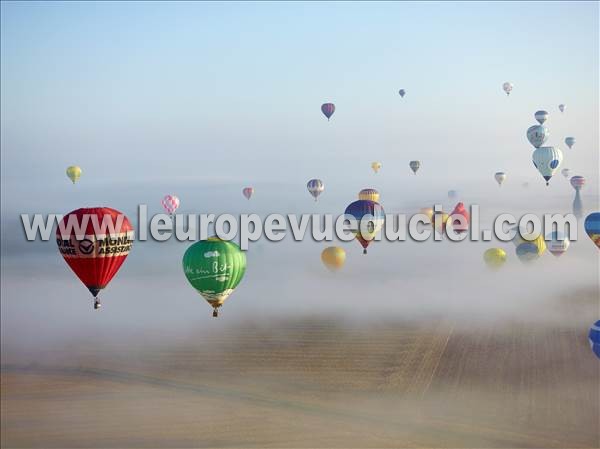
(376, 166)
(74, 173)
(333, 257)
(369, 194)
(427, 211)
(494, 257)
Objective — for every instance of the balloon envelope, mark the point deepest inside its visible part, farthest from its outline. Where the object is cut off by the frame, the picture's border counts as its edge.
(333, 257)
(577, 182)
(248, 192)
(74, 173)
(97, 252)
(557, 243)
(566, 172)
(369, 194)
(561, 107)
(592, 227)
(570, 141)
(507, 87)
(214, 267)
(594, 338)
(460, 225)
(547, 160)
(402, 92)
(374, 216)
(494, 257)
(541, 116)
(376, 166)
(414, 166)
(537, 135)
(500, 177)
(328, 109)
(170, 203)
(315, 187)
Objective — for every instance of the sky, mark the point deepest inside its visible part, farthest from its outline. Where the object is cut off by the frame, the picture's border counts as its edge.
(203, 99)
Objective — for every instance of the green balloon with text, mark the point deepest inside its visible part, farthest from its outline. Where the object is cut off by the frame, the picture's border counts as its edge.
(214, 267)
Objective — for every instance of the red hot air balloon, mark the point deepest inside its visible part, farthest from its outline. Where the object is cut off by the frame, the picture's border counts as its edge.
(248, 191)
(456, 225)
(328, 109)
(95, 242)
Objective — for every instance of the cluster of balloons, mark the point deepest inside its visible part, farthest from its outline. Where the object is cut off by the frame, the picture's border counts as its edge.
(547, 160)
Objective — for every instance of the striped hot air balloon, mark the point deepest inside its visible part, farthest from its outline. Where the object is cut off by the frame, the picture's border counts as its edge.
(557, 243)
(98, 252)
(369, 195)
(577, 182)
(315, 187)
(328, 109)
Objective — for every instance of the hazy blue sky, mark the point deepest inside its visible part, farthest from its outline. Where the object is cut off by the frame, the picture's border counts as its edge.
(229, 93)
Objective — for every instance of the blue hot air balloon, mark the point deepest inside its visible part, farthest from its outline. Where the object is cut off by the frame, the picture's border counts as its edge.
(594, 338)
(368, 210)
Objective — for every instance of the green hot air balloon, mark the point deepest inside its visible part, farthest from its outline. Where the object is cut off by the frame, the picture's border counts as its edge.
(214, 267)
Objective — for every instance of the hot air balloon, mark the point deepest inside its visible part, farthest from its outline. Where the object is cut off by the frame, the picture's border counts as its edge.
(547, 160)
(529, 248)
(74, 173)
(459, 209)
(592, 227)
(570, 141)
(402, 92)
(328, 109)
(369, 194)
(561, 107)
(577, 182)
(566, 172)
(214, 267)
(557, 243)
(96, 255)
(537, 135)
(248, 192)
(494, 257)
(333, 258)
(170, 203)
(594, 338)
(427, 211)
(414, 166)
(315, 187)
(541, 116)
(367, 209)
(507, 87)
(500, 177)
(376, 166)
(452, 194)
(439, 221)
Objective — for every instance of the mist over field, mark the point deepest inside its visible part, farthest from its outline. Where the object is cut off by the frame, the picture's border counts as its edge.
(416, 344)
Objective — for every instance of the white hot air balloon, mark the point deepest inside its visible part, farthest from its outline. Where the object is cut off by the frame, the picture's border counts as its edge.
(566, 172)
(500, 177)
(541, 116)
(537, 135)
(507, 87)
(547, 160)
(570, 141)
(562, 107)
(315, 187)
(557, 243)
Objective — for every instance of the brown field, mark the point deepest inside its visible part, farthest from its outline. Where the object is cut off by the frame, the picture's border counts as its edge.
(313, 383)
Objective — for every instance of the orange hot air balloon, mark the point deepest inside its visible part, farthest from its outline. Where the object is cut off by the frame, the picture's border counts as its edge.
(456, 224)
(95, 242)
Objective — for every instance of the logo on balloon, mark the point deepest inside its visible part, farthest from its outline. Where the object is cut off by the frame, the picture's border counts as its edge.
(86, 246)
